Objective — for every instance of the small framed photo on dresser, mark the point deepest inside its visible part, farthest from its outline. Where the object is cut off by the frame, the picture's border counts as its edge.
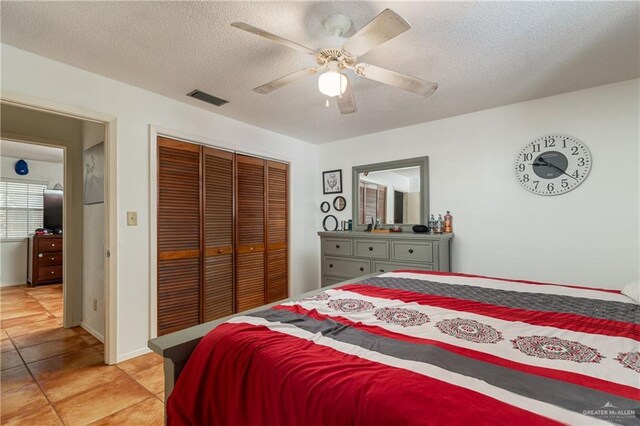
(332, 181)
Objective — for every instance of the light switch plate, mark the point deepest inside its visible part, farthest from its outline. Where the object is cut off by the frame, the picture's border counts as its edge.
(132, 218)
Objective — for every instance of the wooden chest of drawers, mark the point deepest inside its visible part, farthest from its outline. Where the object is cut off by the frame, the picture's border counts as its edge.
(348, 255)
(45, 260)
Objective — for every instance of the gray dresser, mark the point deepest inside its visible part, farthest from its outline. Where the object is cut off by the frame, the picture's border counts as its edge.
(348, 255)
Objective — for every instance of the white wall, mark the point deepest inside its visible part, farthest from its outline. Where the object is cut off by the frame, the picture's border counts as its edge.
(587, 236)
(13, 254)
(93, 248)
(136, 109)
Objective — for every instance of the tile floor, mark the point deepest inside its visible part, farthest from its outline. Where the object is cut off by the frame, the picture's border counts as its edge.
(53, 376)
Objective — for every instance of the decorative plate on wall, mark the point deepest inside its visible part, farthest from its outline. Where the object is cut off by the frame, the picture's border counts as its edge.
(324, 207)
(339, 203)
(330, 223)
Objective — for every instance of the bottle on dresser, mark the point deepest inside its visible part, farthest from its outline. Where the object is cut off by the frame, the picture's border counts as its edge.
(448, 222)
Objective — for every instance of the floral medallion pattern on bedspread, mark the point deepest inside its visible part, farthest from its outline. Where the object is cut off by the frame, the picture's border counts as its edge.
(414, 347)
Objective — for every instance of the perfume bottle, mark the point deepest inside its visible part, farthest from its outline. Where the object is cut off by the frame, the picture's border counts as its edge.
(432, 224)
(448, 222)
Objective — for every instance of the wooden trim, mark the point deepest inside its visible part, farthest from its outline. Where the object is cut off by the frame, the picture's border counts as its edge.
(251, 248)
(203, 191)
(227, 155)
(265, 236)
(182, 254)
(250, 160)
(235, 232)
(218, 251)
(171, 143)
(277, 246)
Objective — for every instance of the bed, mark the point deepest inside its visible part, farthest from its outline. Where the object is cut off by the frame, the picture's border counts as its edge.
(413, 347)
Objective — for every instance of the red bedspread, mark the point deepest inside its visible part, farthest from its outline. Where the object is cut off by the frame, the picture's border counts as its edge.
(415, 348)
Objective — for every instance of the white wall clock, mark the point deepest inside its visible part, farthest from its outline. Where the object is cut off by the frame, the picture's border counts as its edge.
(553, 164)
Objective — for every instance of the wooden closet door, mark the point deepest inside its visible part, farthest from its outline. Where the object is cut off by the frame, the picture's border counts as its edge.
(250, 232)
(179, 207)
(217, 291)
(277, 232)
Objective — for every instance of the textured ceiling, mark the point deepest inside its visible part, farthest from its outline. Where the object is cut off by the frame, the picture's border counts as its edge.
(482, 54)
(30, 151)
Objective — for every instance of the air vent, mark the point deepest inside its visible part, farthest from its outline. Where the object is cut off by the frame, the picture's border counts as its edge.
(207, 98)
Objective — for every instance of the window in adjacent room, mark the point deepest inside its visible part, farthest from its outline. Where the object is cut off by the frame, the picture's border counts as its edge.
(21, 207)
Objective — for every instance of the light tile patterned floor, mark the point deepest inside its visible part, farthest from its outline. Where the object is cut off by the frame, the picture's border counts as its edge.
(53, 376)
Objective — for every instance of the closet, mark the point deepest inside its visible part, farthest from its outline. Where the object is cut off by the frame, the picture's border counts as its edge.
(222, 233)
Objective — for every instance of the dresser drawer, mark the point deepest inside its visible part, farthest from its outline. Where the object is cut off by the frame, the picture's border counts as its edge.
(373, 249)
(50, 258)
(408, 250)
(47, 273)
(49, 244)
(338, 246)
(348, 268)
(331, 281)
(393, 266)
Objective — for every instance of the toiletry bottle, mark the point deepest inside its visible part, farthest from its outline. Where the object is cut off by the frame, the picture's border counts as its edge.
(448, 222)
(439, 224)
(432, 225)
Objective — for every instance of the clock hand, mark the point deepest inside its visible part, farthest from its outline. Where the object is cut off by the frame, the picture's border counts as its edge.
(545, 163)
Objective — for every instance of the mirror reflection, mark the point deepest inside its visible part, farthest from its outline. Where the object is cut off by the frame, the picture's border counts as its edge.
(392, 196)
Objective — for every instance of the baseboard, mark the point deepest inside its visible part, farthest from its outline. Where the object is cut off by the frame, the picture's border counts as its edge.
(91, 331)
(133, 354)
(12, 284)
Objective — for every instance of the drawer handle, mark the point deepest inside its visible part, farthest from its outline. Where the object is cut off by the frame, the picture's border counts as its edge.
(40, 255)
(410, 250)
(51, 272)
(331, 265)
(251, 248)
(219, 251)
(53, 258)
(370, 248)
(337, 245)
(361, 269)
(381, 270)
(53, 245)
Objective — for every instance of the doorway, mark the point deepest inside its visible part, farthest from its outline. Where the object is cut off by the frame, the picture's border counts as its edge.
(86, 270)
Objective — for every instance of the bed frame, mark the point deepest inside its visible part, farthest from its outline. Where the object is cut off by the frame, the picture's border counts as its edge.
(176, 348)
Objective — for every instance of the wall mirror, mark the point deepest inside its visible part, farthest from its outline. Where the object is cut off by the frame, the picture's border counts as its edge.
(395, 192)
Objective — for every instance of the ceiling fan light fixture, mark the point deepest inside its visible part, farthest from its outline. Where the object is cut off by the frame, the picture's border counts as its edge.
(332, 83)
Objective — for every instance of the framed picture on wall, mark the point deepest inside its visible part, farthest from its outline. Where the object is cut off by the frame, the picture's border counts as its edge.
(332, 181)
(93, 176)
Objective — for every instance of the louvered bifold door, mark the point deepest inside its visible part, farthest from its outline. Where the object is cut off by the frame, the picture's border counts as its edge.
(217, 292)
(250, 232)
(277, 232)
(179, 207)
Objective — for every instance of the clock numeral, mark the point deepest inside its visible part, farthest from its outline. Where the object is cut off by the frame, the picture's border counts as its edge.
(536, 147)
(536, 183)
(564, 142)
(574, 150)
(525, 178)
(549, 143)
(565, 183)
(550, 187)
(581, 161)
(521, 167)
(527, 156)
(575, 174)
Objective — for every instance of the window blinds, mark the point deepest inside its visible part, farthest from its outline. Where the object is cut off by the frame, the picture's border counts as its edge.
(21, 205)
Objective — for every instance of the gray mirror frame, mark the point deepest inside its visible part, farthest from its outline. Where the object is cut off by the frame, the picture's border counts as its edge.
(422, 162)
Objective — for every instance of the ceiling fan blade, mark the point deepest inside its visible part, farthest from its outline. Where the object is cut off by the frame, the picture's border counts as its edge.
(346, 102)
(396, 79)
(283, 81)
(272, 37)
(382, 28)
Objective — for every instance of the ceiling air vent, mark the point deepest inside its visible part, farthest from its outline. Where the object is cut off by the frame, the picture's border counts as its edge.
(207, 98)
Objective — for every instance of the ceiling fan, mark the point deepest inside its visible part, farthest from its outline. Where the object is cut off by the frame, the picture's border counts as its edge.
(333, 61)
